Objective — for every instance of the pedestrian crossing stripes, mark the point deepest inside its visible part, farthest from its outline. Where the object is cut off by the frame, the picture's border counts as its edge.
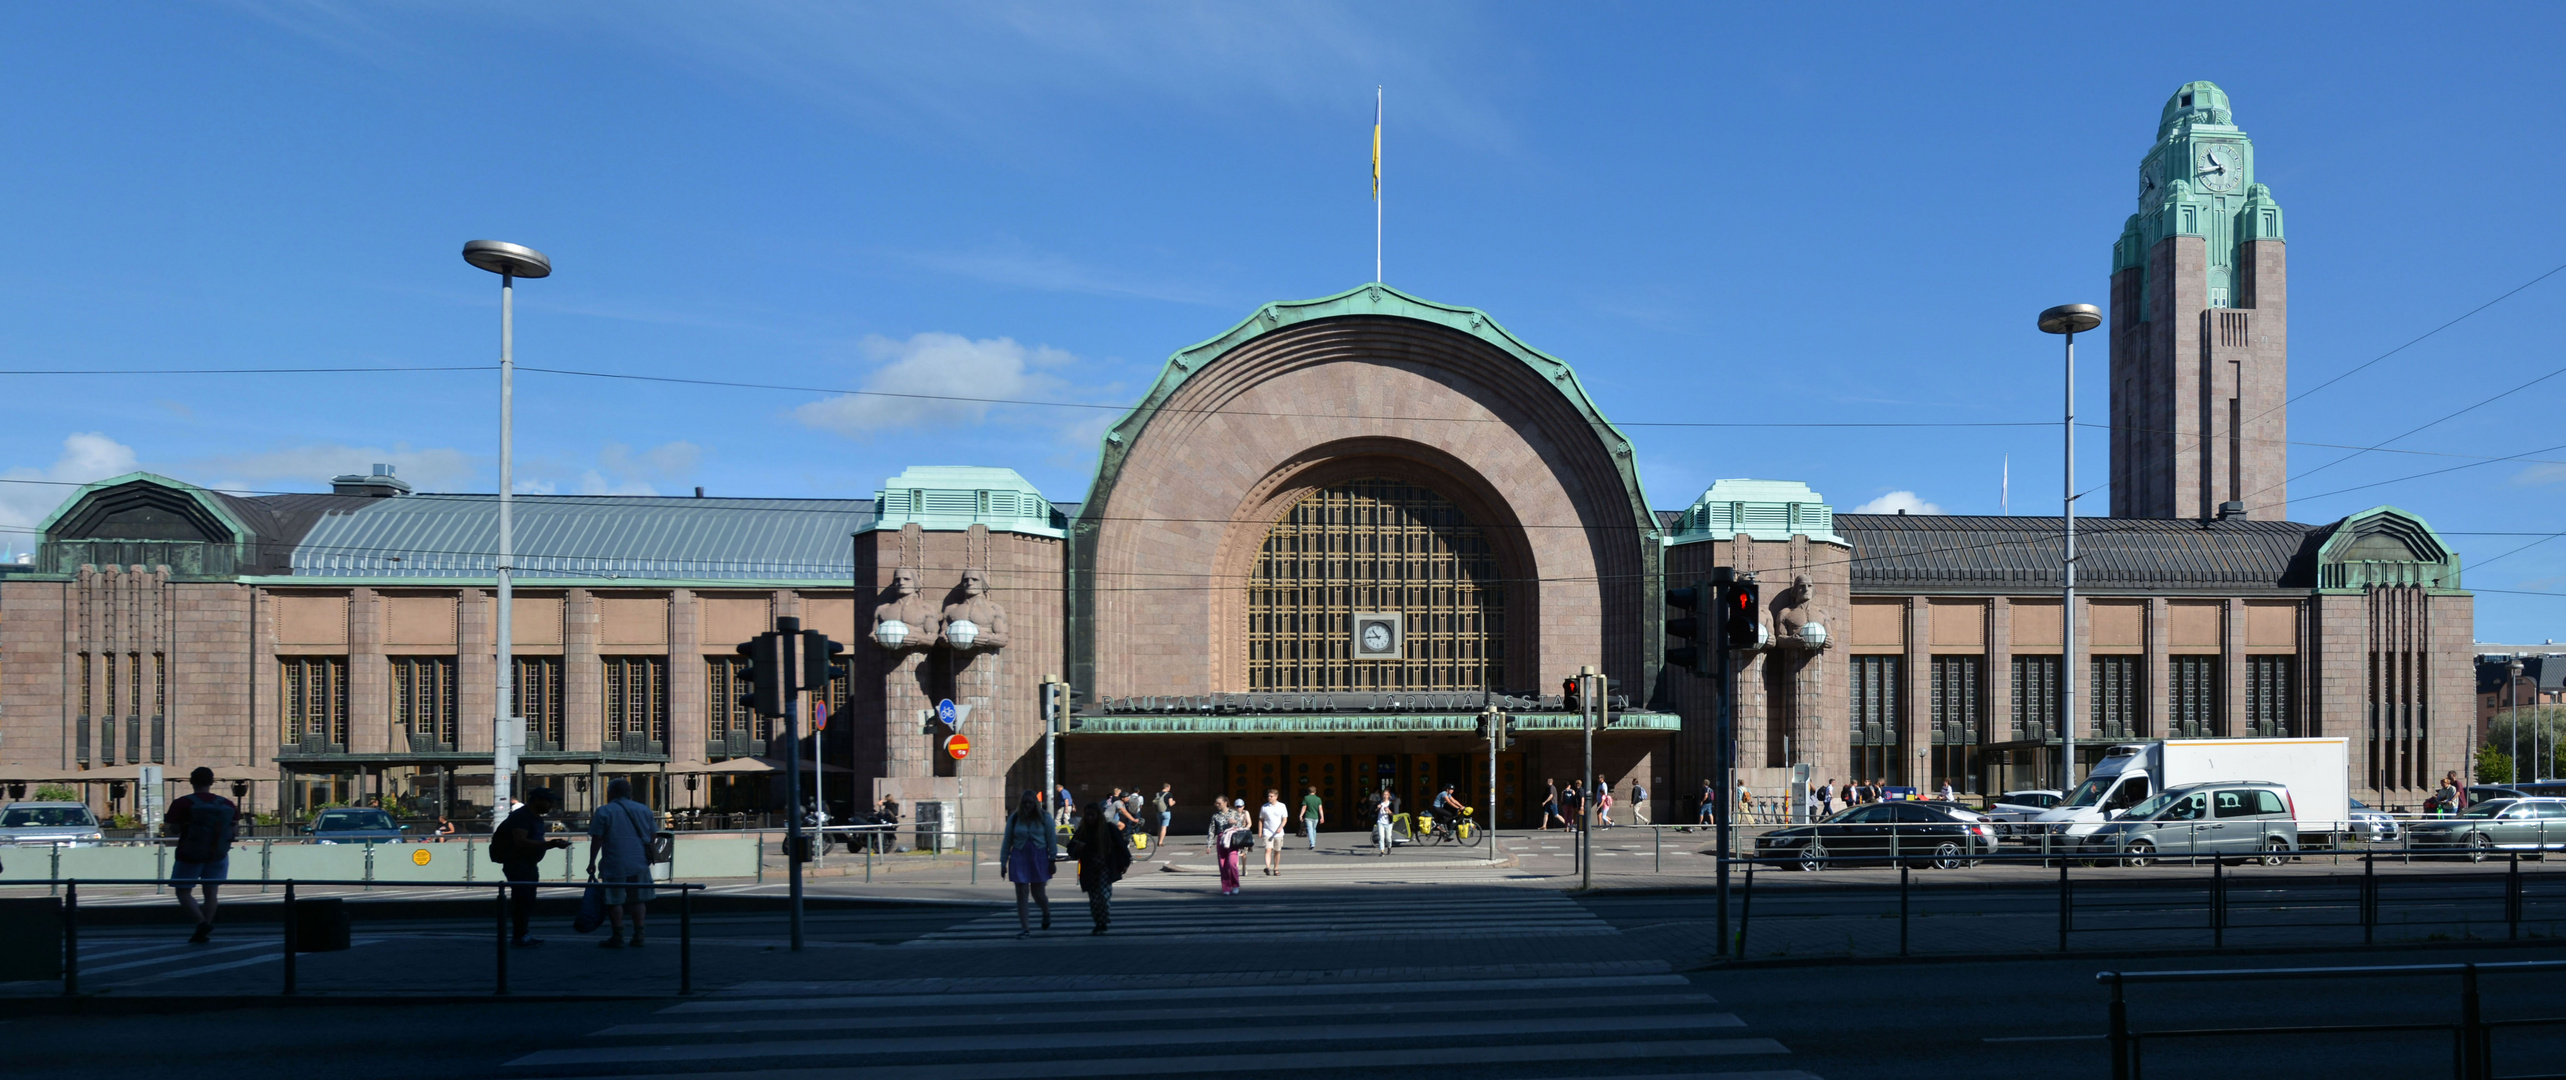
(1629, 1026)
(1285, 915)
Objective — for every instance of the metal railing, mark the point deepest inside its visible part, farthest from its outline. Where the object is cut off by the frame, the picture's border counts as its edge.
(2472, 1035)
(2213, 909)
(291, 939)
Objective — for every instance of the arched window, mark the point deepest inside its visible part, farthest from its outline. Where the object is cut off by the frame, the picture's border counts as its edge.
(1371, 545)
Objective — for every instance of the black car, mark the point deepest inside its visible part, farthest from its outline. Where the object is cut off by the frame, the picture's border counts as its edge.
(1915, 833)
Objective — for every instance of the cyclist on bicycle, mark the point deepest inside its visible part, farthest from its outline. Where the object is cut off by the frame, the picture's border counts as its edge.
(1447, 808)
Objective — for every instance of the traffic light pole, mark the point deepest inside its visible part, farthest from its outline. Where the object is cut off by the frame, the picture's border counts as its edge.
(789, 631)
(1051, 755)
(1590, 706)
(1496, 733)
(1724, 761)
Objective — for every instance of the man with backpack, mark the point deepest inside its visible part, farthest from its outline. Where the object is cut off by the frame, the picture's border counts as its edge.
(620, 835)
(204, 824)
(518, 846)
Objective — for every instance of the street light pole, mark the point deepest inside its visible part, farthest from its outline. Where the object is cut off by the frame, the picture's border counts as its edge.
(2068, 319)
(508, 737)
(2512, 686)
(1590, 706)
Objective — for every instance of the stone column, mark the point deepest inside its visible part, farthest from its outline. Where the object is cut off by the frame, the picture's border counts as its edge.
(2158, 633)
(583, 677)
(689, 708)
(369, 679)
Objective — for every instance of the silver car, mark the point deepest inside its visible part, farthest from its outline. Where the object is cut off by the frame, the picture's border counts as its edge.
(2373, 824)
(48, 823)
(2229, 820)
(2483, 830)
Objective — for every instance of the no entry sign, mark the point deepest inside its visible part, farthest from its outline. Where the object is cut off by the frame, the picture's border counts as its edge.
(959, 746)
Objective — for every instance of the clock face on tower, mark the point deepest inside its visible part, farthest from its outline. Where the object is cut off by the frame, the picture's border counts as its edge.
(2222, 167)
(2146, 182)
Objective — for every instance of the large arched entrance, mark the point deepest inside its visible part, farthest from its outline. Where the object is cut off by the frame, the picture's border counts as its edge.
(1375, 544)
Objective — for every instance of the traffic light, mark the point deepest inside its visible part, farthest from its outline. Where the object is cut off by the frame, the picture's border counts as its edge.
(1493, 727)
(766, 678)
(1688, 635)
(1745, 632)
(1569, 699)
(820, 663)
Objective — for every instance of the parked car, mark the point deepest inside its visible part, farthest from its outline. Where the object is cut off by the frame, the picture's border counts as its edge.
(2480, 831)
(2371, 824)
(1916, 833)
(354, 825)
(2024, 805)
(49, 823)
(2486, 793)
(2229, 820)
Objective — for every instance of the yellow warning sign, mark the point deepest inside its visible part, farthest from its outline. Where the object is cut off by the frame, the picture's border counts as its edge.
(420, 856)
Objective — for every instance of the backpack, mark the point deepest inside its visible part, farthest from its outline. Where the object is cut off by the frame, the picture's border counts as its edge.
(205, 835)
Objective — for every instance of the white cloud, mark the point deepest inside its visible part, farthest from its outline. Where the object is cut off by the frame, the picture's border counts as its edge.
(31, 493)
(310, 467)
(1897, 502)
(927, 375)
(2540, 474)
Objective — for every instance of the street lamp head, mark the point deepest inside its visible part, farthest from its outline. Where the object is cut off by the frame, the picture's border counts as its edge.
(501, 257)
(2070, 319)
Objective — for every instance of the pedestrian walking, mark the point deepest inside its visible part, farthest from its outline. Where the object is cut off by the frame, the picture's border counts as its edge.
(1026, 859)
(1745, 804)
(1314, 812)
(1603, 803)
(1946, 791)
(1708, 806)
(1164, 805)
(1826, 795)
(1271, 819)
(1060, 806)
(1384, 807)
(1104, 852)
(518, 845)
(1550, 808)
(1229, 840)
(444, 829)
(1572, 807)
(1638, 802)
(619, 858)
(205, 824)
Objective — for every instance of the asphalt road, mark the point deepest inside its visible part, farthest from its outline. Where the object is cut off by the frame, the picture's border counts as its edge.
(1319, 980)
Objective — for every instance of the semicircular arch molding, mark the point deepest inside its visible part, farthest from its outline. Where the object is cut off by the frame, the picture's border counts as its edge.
(1368, 382)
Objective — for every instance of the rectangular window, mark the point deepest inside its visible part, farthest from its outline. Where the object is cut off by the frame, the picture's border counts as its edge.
(159, 707)
(134, 703)
(637, 704)
(81, 730)
(1875, 719)
(312, 701)
(2194, 683)
(2116, 698)
(537, 688)
(732, 729)
(2268, 712)
(1958, 722)
(2035, 705)
(423, 703)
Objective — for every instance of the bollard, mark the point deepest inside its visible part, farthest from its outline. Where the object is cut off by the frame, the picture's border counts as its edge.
(2064, 906)
(975, 858)
(502, 894)
(1656, 852)
(292, 923)
(1745, 910)
(2369, 898)
(685, 940)
(1902, 908)
(2120, 1031)
(2512, 899)
(2218, 903)
(71, 939)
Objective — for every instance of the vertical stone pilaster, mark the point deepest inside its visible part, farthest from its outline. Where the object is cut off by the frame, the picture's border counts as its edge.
(583, 676)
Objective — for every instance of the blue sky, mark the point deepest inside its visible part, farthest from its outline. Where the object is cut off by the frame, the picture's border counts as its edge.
(1717, 213)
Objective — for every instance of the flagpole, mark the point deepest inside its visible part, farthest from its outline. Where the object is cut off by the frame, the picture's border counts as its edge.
(1376, 183)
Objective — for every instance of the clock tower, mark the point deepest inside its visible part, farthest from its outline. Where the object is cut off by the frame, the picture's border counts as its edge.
(2200, 326)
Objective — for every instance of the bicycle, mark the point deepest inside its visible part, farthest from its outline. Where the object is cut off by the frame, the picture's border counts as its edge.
(1460, 829)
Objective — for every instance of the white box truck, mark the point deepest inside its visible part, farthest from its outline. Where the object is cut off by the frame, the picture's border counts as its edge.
(2317, 772)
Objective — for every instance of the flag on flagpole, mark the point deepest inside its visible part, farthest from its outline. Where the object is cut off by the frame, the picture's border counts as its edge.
(1376, 143)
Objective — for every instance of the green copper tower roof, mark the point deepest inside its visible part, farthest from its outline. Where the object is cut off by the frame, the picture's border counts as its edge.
(1763, 509)
(2198, 180)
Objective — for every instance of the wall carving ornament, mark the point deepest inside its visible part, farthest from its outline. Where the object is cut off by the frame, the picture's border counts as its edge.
(906, 621)
(984, 618)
